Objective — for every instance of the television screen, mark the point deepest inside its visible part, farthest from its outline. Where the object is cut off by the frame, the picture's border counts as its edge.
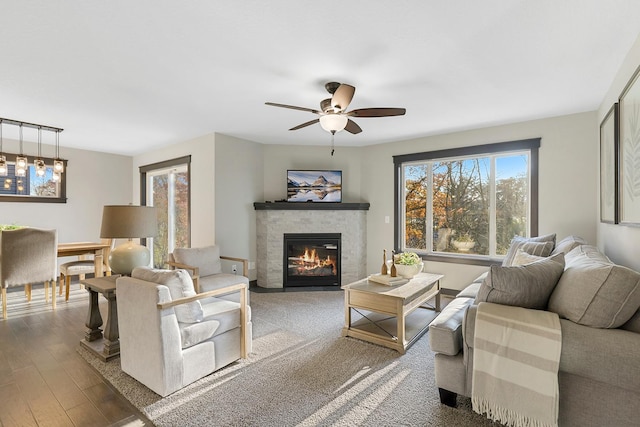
(314, 186)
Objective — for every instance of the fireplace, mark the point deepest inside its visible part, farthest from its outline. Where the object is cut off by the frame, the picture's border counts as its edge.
(312, 259)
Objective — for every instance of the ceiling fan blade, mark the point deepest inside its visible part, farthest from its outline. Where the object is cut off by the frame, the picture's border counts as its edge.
(342, 97)
(293, 107)
(377, 112)
(352, 127)
(309, 123)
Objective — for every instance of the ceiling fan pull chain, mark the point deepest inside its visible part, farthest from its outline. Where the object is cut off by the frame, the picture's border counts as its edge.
(332, 143)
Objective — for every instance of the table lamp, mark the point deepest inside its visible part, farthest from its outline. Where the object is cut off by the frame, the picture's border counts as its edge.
(128, 222)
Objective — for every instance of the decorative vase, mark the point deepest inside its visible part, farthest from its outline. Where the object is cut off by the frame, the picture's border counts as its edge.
(409, 271)
(463, 246)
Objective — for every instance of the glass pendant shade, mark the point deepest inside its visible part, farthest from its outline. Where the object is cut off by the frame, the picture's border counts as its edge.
(21, 166)
(3, 166)
(41, 168)
(58, 166)
(333, 122)
(55, 176)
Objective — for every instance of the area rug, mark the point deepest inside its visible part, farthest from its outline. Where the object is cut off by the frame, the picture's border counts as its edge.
(303, 373)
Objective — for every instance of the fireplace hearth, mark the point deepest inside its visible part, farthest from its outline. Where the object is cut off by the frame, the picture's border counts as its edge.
(311, 259)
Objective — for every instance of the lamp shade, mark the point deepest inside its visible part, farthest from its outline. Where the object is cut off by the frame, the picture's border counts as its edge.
(333, 122)
(128, 221)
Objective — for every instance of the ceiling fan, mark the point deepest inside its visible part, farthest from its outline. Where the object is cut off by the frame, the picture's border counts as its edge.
(333, 115)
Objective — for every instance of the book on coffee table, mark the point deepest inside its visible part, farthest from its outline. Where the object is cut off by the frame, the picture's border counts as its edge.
(385, 279)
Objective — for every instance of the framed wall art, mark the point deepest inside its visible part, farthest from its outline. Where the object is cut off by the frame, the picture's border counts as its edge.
(609, 166)
(629, 181)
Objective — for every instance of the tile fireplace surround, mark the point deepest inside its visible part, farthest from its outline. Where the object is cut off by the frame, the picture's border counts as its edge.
(273, 220)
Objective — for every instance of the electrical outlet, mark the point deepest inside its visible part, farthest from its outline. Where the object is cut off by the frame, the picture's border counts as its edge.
(234, 269)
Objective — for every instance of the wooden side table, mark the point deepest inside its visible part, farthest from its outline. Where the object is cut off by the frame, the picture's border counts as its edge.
(104, 345)
(396, 302)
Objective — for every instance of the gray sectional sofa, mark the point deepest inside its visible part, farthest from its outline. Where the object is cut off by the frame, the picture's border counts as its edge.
(598, 304)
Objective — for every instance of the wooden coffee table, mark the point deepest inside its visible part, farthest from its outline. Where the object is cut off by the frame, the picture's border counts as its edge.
(395, 304)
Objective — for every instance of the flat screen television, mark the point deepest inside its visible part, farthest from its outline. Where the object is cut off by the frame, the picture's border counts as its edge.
(314, 186)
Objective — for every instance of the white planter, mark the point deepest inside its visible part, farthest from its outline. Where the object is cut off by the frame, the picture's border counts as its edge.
(408, 271)
(463, 246)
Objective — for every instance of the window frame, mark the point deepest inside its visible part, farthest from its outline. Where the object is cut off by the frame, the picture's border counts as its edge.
(167, 164)
(531, 145)
(26, 198)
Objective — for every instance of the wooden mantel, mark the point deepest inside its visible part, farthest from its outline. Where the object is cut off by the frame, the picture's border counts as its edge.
(315, 206)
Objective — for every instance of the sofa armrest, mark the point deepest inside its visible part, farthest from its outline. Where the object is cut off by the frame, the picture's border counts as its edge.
(243, 308)
(445, 332)
(245, 263)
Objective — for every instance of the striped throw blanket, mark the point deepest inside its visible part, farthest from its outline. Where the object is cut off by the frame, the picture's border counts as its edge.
(516, 356)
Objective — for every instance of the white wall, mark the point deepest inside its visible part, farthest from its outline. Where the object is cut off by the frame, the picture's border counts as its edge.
(620, 243)
(93, 180)
(279, 158)
(202, 151)
(567, 183)
(238, 184)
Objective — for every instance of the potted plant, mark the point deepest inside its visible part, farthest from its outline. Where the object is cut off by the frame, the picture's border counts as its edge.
(408, 264)
(463, 242)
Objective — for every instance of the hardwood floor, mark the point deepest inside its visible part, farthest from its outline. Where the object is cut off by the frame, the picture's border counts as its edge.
(43, 380)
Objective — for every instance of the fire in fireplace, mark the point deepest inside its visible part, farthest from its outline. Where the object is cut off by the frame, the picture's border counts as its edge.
(312, 259)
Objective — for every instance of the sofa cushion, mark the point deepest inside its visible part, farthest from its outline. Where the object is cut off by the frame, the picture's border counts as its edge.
(220, 316)
(595, 293)
(207, 259)
(445, 332)
(217, 281)
(540, 246)
(180, 285)
(567, 244)
(633, 324)
(523, 258)
(471, 291)
(526, 286)
(586, 252)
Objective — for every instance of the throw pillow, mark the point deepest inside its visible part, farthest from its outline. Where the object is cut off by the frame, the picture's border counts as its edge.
(207, 259)
(596, 293)
(585, 251)
(567, 244)
(523, 258)
(526, 286)
(180, 285)
(539, 246)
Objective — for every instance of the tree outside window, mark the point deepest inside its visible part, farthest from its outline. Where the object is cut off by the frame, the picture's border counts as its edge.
(470, 206)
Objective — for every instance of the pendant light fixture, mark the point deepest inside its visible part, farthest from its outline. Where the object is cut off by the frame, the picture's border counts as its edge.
(21, 159)
(41, 168)
(58, 165)
(3, 159)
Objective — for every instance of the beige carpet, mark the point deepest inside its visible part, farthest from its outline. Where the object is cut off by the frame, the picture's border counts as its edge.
(303, 373)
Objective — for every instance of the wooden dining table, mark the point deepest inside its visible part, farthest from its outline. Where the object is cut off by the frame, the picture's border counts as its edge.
(100, 252)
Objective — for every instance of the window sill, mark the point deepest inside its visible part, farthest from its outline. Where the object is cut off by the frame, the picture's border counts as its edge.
(462, 259)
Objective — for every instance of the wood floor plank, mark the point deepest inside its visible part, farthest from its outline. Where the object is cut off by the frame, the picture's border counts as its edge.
(86, 415)
(48, 412)
(64, 388)
(43, 379)
(108, 402)
(14, 410)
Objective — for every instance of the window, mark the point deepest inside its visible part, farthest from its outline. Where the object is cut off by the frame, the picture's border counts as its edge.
(166, 185)
(466, 204)
(31, 187)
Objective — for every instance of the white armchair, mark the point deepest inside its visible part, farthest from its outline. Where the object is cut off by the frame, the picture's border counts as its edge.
(170, 336)
(205, 267)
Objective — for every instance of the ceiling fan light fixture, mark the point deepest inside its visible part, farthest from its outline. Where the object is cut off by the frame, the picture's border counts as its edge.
(333, 122)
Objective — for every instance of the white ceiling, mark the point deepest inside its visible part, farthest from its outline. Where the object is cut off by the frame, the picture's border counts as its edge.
(125, 76)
